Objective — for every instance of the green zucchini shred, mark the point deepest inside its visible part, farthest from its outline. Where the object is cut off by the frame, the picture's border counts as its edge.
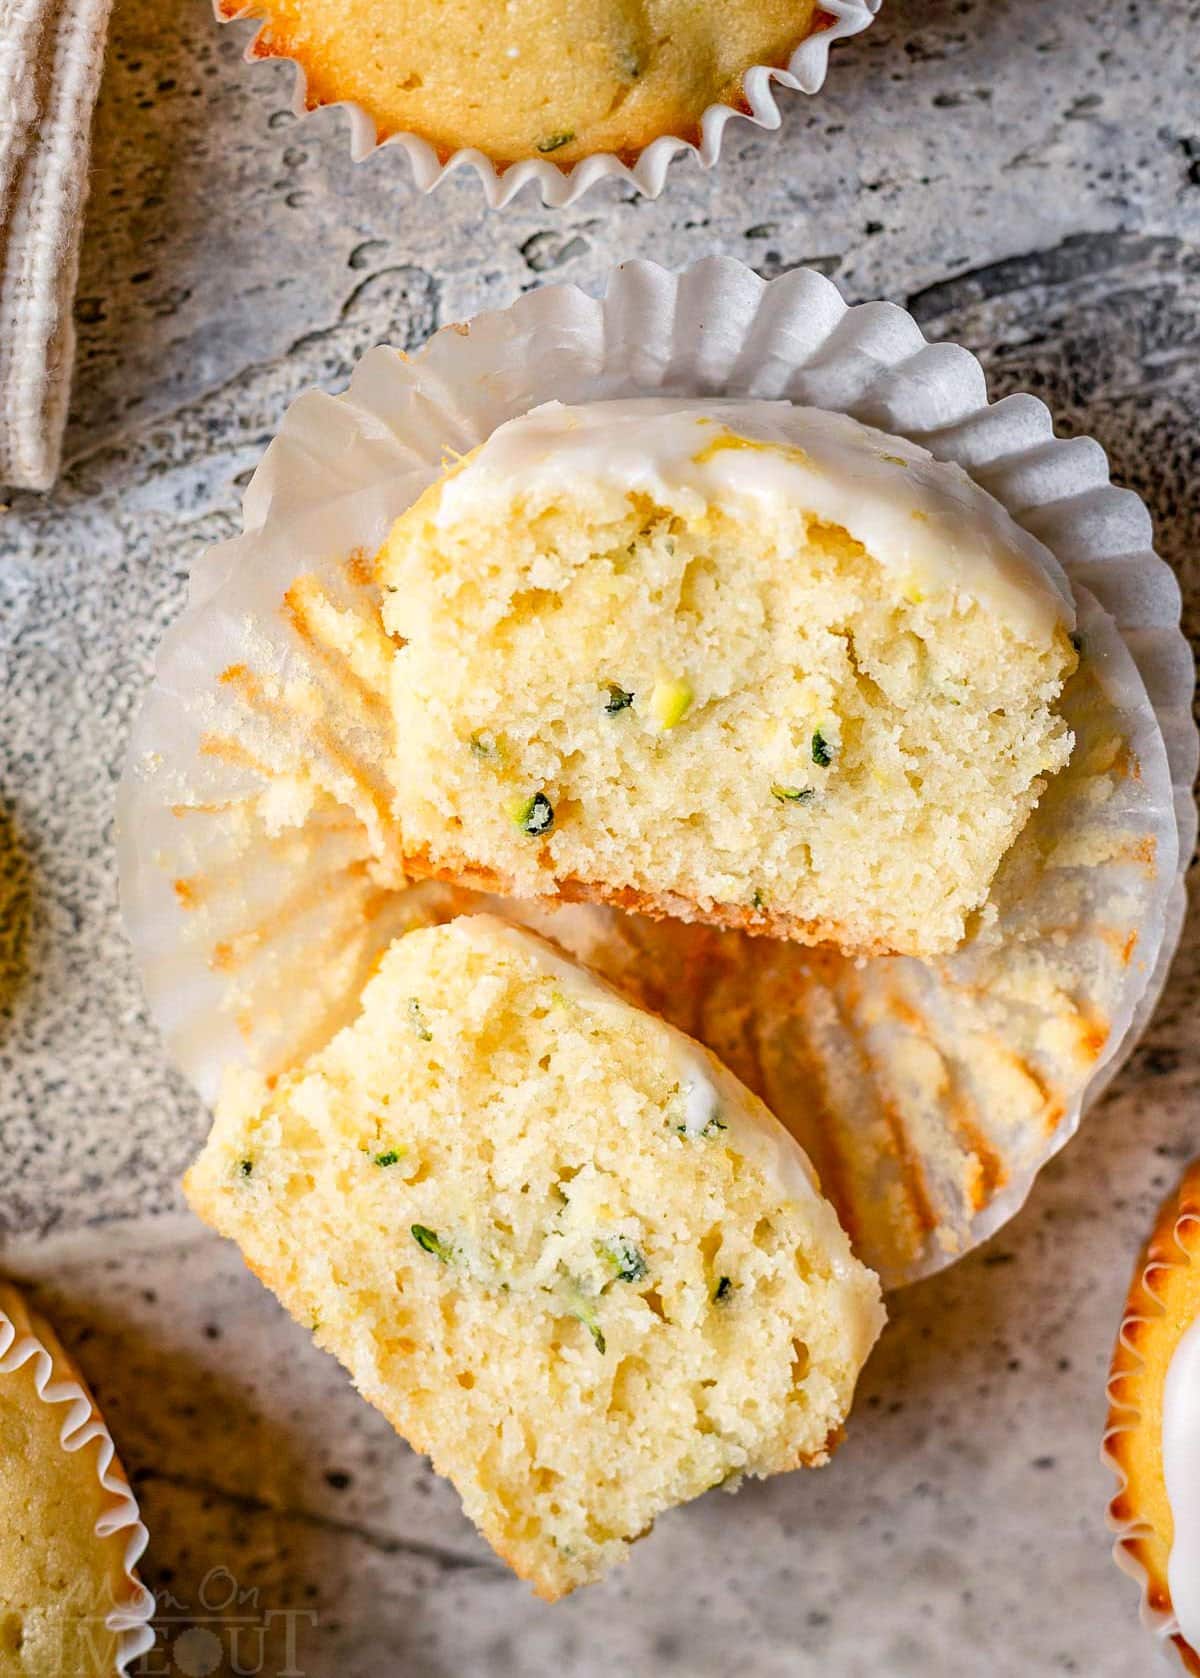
(714, 1124)
(430, 1242)
(582, 1309)
(619, 699)
(622, 1258)
(535, 815)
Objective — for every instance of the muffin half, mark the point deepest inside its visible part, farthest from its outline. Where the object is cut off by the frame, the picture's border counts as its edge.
(561, 1247)
(759, 666)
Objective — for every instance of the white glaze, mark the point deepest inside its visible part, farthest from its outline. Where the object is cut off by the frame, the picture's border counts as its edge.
(923, 518)
(1181, 1471)
(701, 1103)
(709, 1087)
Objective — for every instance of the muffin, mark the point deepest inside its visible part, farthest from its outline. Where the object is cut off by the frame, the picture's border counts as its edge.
(756, 665)
(563, 1250)
(69, 1601)
(1153, 1437)
(534, 79)
(256, 831)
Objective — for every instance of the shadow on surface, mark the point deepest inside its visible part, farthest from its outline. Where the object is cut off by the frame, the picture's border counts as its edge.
(263, 1543)
(16, 915)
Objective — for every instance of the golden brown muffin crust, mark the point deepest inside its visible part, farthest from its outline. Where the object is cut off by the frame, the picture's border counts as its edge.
(759, 922)
(58, 1580)
(531, 78)
(1164, 1299)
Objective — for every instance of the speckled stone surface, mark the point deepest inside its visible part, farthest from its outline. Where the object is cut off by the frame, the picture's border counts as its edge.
(1026, 177)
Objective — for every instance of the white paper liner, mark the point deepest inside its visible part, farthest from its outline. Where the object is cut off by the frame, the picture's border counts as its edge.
(1172, 1245)
(24, 1339)
(560, 187)
(257, 878)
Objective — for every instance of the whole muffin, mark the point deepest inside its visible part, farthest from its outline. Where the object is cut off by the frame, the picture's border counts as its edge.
(69, 1601)
(1153, 1437)
(531, 78)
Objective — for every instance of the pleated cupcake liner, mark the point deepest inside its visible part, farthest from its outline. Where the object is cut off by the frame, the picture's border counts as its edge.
(27, 1339)
(562, 186)
(260, 872)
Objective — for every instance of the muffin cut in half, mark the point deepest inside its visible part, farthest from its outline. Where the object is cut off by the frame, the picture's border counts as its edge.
(1153, 1434)
(752, 664)
(567, 1254)
(532, 79)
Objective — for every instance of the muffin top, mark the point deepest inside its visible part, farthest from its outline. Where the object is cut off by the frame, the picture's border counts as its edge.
(58, 1580)
(531, 78)
(1153, 1437)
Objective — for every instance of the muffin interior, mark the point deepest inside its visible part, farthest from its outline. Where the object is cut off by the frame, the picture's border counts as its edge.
(726, 711)
(552, 1240)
